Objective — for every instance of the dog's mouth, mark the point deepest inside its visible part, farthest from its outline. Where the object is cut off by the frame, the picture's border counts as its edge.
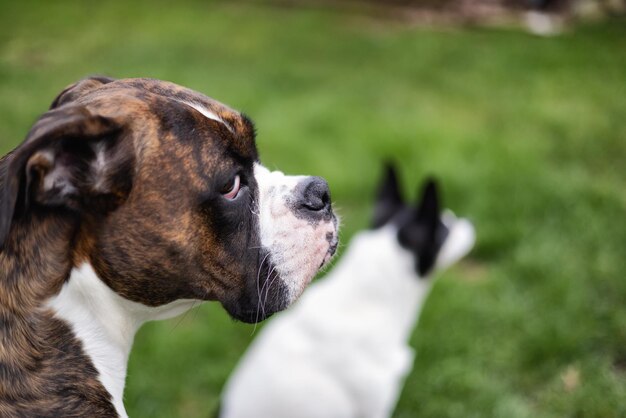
(258, 314)
(251, 316)
(293, 248)
(272, 289)
(266, 293)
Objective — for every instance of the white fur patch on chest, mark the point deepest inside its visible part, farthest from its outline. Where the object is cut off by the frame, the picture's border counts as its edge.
(105, 323)
(96, 316)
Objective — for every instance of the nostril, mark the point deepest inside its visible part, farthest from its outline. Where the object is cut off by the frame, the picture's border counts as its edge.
(316, 201)
(326, 199)
(315, 194)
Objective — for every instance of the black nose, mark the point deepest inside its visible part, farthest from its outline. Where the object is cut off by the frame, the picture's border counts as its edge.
(313, 197)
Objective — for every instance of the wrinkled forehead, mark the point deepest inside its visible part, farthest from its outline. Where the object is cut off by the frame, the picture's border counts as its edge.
(211, 108)
(181, 108)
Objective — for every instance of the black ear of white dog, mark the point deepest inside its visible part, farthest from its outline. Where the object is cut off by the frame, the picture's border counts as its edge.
(389, 198)
(66, 152)
(428, 211)
(424, 233)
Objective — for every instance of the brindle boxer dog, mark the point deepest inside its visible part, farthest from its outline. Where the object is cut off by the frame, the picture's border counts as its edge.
(132, 200)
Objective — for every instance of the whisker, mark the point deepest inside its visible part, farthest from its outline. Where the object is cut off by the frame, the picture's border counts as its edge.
(182, 317)
(196, 309)
(253, 211)
(259, 291)
(263, 288)
(267, 292)
(262, 305)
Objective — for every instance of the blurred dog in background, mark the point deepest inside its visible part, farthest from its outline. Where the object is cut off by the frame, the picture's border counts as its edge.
(342, 350)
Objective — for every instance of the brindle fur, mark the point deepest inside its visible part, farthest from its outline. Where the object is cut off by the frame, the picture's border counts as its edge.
(155, 199)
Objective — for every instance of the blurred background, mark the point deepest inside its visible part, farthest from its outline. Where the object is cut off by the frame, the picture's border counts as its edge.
(518, 107)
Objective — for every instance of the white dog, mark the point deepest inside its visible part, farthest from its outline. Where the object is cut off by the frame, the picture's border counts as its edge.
(342, 350)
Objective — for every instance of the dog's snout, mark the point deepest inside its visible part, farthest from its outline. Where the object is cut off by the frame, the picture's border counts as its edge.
(314, 196)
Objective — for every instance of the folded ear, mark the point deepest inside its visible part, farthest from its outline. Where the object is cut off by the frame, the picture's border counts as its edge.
(389, 199)
(71, 92)
(68, 157)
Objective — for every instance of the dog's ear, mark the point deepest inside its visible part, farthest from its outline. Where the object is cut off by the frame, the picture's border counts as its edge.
(423, 233)
(71, 92)
(389, 198)
(429, 207)
(69, 157)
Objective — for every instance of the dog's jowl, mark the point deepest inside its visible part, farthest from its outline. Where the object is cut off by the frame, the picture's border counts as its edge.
(133, 200)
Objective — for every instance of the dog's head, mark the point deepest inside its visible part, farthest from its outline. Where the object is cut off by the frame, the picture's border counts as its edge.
(436, 239)
(168, 198)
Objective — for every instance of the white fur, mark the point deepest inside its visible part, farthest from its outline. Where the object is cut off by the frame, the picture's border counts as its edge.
(106, 324)
(341, 350)
(206, 112)
(99, 166)
(460, 240)
(297, 247)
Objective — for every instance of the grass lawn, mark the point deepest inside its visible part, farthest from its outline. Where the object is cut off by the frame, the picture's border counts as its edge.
(527, 135)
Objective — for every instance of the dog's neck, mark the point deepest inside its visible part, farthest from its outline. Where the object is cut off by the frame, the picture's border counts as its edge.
(35, 261)
(105, 323)
(96, 315)
(37, 274)
(39, 350)
(377, 276)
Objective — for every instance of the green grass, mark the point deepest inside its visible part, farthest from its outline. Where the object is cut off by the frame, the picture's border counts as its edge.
(527, 135)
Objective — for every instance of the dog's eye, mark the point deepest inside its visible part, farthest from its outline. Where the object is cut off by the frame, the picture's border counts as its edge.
(231, 190)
